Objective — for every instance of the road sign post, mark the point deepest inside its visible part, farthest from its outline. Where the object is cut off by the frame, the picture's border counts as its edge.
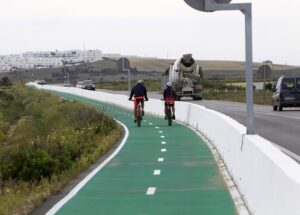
(246, 9)
(126, 68)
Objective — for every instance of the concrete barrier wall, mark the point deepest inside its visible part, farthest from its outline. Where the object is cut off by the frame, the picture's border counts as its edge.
(268, 180)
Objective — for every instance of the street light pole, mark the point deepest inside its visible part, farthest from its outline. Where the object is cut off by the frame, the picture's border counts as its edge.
(246, 9)
(264, 86)
(249, 70)
(128, 70)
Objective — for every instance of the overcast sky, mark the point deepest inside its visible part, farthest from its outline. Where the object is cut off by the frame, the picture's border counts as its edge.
(151, 28)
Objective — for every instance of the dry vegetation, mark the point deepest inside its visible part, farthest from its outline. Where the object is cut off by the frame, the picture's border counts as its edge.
(154, 64)
(44, 142)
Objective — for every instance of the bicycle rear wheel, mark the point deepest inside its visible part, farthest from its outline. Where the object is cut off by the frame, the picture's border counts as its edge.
(138, 122)
(169, 115)
(170, 121)
(139, 117)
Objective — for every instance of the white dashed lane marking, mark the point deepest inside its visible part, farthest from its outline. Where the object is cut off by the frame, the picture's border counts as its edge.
(163, 150)
(163, 142)
(151, 191)
(156, 172)
(160, 159)
(162, 137)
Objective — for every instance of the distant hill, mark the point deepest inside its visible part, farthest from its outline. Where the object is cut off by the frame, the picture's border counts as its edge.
(149, 64)
(146, 68)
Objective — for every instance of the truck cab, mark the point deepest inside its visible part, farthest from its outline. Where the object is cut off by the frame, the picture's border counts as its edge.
(185, 75)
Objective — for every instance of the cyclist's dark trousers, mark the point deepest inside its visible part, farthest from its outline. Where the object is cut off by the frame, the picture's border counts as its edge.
(172, 107)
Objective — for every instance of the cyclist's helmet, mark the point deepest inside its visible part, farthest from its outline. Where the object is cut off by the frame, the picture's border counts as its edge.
(169, 84)
(140, 81)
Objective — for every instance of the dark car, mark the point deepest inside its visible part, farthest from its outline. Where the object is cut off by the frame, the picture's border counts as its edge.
(286, 93)
(86, 84)
(41, 82)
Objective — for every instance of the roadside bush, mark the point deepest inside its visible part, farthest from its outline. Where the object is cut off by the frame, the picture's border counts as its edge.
(47, 135)
(5, 81)
(3, 124)
(27, 165)
(268, 86)
(24, 131)
(104, 126)
(2, 137)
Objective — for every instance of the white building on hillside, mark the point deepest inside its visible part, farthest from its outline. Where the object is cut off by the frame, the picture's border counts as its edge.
(47, 59)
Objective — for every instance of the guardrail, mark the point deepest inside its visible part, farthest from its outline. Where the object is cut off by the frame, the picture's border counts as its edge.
(268, 180)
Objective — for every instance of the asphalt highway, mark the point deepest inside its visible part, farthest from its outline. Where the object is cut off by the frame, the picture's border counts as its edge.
(281, 128)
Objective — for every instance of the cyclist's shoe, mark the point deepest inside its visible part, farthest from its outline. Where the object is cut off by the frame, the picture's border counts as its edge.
(135, 120)
(166, 117)
(142, 113)
(173, 117)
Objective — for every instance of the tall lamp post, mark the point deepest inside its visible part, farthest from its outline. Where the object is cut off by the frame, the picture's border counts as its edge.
(67, 76)
(246, 9)
(126, 68)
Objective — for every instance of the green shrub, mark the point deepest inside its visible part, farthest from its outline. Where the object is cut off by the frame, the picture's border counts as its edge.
(25, 131)
(5, 81)
(2, 136)
(46, 141)
(27, 165)
(47, 135)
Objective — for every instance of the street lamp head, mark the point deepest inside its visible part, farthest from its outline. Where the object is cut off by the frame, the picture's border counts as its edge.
(200, 4)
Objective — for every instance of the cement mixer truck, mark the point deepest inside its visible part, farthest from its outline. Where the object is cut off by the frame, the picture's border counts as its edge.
(185, 75)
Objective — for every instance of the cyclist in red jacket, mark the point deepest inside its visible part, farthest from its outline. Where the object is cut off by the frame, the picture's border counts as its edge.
(169, 97)
(140, 92)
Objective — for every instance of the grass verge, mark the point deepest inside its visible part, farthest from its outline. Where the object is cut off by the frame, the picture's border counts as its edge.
(45, 142)
(260, 97)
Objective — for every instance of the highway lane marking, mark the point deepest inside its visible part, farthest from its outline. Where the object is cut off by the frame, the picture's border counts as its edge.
(82, 183)
(163, 142)
(288, 152)
(157, 127)
(163, 150)
(258, 112)
(160, 159)
(156, 172)
(160, 132)
(162, 137)
(151, 191)
(150, 123)
(272, 114)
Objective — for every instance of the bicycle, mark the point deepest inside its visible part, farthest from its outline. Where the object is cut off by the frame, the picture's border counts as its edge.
(139, 114)
(169, 114)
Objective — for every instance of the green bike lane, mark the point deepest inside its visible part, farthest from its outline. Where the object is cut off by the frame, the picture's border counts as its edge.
(160, 170)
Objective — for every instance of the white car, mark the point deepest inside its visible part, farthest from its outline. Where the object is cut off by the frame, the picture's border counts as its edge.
(86, 84)
(80, 84)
